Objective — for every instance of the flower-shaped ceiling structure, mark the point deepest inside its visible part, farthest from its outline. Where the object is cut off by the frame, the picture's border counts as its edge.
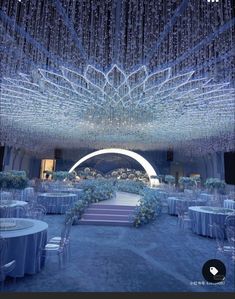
(135, 74)
(113, 108)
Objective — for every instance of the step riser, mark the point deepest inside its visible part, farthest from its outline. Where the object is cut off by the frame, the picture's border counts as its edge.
(106, 217)
(109, 211)
(114, 223)
(112, 207)
(114, 215)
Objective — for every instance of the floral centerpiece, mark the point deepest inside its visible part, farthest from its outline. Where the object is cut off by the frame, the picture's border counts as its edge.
(148, 209)
(170, 179)
(215, 185)
(186, 182)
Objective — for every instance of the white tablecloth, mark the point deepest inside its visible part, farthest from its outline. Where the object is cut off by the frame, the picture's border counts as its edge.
(188, 192)
(204, 217)
(76, 191)
(206, 196)
(5, 195)
(10, 206)
(57, 203)
(229, 204)
(172, 204)
(24, 246)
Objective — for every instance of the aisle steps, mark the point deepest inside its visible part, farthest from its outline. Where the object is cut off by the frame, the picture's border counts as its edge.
(101, 214)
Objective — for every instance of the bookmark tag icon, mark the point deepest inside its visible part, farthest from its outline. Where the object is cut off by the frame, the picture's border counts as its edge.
(213, 270)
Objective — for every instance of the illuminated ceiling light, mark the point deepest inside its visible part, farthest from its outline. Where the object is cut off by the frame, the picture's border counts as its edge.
(114, 107)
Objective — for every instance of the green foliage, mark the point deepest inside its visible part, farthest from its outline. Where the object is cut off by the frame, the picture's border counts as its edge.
(13, 179)
(187, 181)
(149, 207)
(19, 173)
(62, 175)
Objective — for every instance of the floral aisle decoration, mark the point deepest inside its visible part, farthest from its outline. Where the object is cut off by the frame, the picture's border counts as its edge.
(128, 173)
(89, 173)
(148, 209)
(63, 175)
(129, 186)
(93, 191)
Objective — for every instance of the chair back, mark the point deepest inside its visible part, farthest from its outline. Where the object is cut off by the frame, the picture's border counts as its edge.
(3, 250)
(230, 221)
(230, 233)
(38, 212)
(65, 233)
(5, 266)
(181, 208)
(19, 211)
(219, 235)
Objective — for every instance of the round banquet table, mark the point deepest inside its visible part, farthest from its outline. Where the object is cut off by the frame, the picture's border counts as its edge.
(10, 206)
(161, 193)
(5, 195)
(57, 203)
(24, 242)
(204, 217)
(206, 196)
(229, 204)
(172, 203)
(76, 191)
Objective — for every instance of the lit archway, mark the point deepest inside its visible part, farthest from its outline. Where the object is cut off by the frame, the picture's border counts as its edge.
(143, 162)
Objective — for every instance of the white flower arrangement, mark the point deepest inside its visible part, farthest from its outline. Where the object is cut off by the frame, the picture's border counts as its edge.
(187, 181)
(170, 179)
(215, 184)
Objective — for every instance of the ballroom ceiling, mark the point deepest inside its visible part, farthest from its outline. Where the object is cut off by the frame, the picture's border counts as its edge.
(138, 74)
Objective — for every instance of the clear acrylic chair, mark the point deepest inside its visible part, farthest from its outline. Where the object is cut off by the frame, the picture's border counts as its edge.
(183, 217)
(230, 220)
(37, 212)
(5, 267)
(55, 249)
(164, 206)
(222, 246)
(230, 233)
(32, 199)
(65, 236)
(19, 212)
(64, 206)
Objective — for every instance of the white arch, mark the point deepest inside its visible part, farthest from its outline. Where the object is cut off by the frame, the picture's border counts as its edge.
(143, 162)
